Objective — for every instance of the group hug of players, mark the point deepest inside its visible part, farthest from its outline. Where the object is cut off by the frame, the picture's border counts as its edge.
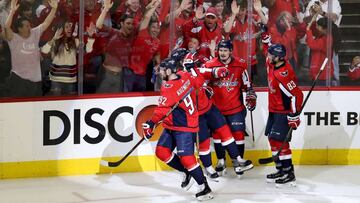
(208, 101)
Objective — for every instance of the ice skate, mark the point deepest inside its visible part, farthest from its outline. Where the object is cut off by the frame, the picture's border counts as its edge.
(288, 179)
(220, 169)
(204, 192)
(187, 181)
(272, 177)
(212, 174)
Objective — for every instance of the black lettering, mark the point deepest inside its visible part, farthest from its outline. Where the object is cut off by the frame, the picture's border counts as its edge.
(77, 126)
(46, 127)
(94, 124)
(111, 124)
(325, 118)
(334, 118)
(309, 114)
(352, 118)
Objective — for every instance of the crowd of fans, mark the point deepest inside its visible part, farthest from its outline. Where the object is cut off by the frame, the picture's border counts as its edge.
(125, 40)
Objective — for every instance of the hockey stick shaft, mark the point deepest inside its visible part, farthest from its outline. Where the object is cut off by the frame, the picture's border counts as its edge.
(276, 156)
(117, 163)
(252, 129)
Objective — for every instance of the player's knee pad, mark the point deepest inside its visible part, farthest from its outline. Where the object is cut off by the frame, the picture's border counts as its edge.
(239, 137)
(164, 153)
(224, 133)
(189, 162)
(285, 152)
(204, 147)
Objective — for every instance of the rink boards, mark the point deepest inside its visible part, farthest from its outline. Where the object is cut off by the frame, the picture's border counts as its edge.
(70, 137)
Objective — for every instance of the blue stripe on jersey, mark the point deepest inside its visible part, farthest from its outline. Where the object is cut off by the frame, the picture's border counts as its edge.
(286, 101)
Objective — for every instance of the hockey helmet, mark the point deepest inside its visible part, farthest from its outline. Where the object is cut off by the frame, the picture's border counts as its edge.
(179, 54)
(278, 50)
(225, 44)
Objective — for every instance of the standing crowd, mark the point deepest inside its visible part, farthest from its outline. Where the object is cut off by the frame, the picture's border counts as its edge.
(125, 41)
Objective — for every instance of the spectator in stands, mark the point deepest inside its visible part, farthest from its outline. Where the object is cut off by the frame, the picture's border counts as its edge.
(333, 12)
(238, 27)
(288, 31)
(5, 66)
(319, 46)
(279, 6)
(220, 8)
(145, 50)
(204, 27)
(129, 7)
(25, 78)
(183, 12)
(63, 48)
(354, 69)
(117, 51)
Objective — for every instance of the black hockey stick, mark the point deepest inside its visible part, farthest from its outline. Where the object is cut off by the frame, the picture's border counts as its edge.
(252, 129)
(117, 163)
(276, 156)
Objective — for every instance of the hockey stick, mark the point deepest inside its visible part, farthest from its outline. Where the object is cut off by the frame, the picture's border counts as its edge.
(117, 163)
(276, 156)
(252, 129)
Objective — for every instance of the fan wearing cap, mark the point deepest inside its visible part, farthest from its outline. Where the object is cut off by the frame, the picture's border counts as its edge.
(285, 100)
(205, 27)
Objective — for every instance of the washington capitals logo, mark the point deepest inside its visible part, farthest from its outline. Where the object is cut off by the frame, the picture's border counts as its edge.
(229, 84)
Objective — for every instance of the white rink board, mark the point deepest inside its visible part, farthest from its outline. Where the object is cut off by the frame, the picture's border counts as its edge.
(22, 137)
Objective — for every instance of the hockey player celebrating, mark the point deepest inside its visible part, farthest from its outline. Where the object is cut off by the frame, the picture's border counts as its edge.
(210, 118)
(180, 127)
(285, 99)
(228, 98)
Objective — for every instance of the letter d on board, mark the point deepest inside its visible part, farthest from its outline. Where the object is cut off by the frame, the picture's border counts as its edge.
(46, 127)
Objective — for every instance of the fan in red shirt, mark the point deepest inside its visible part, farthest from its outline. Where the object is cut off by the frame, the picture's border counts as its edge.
(180, 126)
(285, 100)
(144, 50)
(205, 30)
(228, 97)
(237, 27)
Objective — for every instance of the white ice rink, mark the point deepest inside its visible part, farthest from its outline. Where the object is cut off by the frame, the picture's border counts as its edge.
(322, 184)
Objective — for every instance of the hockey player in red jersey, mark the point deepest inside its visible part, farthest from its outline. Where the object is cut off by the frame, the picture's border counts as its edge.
(210, 118)
(180, 127)
(228, 97)
(285, 100)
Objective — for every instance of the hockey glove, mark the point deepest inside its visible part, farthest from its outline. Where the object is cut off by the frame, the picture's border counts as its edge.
(250, 100)
(293, 120)
(148, 128)
(220, 72)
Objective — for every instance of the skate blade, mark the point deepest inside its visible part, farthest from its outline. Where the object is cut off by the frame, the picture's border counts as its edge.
(270, 180)
(213, 179)
(222, 173)
(189, 185)
(205, 197)
(249, 167)
(286, 185)
(239, 176)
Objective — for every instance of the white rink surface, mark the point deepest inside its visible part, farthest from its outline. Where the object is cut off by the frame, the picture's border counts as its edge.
(322, 184)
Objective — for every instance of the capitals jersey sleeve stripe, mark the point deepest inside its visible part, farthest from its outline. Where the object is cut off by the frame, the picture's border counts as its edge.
(293, 97)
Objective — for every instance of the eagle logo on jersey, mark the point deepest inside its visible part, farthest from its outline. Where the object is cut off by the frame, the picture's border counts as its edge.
(167, 85)
(284, 74)
(229, 84)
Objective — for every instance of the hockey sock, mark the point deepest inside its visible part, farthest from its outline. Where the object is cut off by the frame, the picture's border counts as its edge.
(206, 160)
(176, 164)
(198, 175)
(232, 150)
(219, 150)
(241, 148)
(287, 165)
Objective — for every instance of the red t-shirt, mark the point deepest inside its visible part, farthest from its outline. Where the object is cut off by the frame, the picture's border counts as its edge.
(144, 49)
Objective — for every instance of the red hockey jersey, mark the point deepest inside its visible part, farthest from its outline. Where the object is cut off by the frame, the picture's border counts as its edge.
(185, 117)
(284, 95)
(228, 91)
